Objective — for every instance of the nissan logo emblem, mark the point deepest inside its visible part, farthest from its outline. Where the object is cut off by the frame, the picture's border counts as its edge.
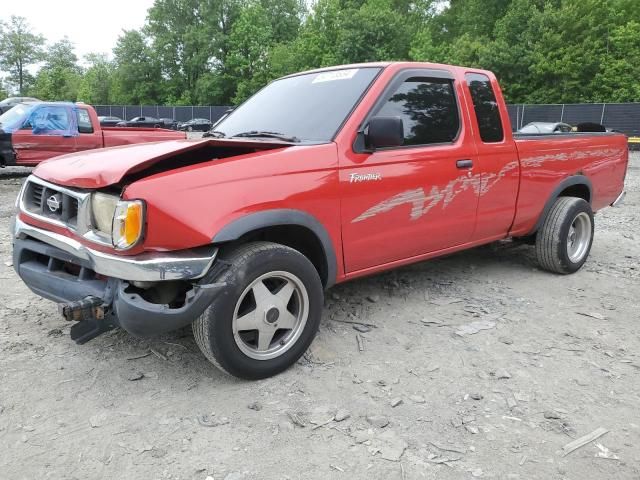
(53, 202)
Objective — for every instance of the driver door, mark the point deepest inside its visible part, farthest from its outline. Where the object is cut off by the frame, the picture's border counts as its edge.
(49, 131)
(421, 197)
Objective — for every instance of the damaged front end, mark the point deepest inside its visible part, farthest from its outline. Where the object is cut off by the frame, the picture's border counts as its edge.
(145, 294)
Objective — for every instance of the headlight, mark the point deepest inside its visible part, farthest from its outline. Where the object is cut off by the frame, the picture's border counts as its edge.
(120, 221)
(103, 208)
(128, 223)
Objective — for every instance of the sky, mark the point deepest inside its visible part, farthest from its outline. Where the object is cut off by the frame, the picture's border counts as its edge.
(91, 26)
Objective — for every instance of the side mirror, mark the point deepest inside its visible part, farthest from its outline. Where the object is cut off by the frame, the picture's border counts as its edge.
(385, 132)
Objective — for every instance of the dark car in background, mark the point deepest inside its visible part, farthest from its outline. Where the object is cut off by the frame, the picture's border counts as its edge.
(169, 123)
(196, 125)
(146, 122)
(8, 103)
(109, 121)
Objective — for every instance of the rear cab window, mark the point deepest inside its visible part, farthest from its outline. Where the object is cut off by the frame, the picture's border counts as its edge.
(428, 109)
(84, 121)
(485, 107)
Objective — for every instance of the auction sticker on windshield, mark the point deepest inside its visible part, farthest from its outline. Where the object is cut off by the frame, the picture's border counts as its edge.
(335, 75)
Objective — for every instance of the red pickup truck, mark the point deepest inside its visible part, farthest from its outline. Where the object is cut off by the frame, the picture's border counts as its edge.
(321, 177)
(33, 132)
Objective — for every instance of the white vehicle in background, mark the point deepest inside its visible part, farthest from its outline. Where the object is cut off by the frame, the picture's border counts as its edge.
(546, 127)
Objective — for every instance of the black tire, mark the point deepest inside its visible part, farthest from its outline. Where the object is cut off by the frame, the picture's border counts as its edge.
(552, 240)
(213, 330)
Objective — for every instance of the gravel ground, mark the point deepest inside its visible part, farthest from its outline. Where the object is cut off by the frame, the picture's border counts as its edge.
(552, 358)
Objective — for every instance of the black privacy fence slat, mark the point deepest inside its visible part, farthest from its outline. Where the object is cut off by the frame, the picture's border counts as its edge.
(623, 117)
(180, 114)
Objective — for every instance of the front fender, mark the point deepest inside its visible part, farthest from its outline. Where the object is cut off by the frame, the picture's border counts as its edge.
(278, 217)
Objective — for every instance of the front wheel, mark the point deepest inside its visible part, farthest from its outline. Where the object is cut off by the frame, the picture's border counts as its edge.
(268, 314)
(564, 241)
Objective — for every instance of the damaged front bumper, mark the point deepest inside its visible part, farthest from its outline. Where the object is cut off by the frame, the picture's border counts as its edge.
(63, 270)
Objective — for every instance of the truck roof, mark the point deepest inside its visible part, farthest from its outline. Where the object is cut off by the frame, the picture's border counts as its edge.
(383, 65)
(62, 102)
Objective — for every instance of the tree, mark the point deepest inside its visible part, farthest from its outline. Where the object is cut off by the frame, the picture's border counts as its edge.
(247, 60)
(97, 82)
(60, 77)
(222, 51)
(137, 78)
(261, 25)
(375, 31)
(511, 53)
(19, 48)
(350, 31)
(3, 91)
(617, 80)
(190, 39)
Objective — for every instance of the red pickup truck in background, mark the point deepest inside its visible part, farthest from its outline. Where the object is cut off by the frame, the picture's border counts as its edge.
(33, 132)
(319, 178)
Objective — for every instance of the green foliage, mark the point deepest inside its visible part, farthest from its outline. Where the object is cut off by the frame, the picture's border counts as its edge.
(617, 80)
(19, 48)
(96, 86)
(137, 78)
(60, 76)
(3, 91)
(223, 51)
(260, 26)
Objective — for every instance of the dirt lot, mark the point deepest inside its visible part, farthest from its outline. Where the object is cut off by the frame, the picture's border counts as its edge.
(557, 358)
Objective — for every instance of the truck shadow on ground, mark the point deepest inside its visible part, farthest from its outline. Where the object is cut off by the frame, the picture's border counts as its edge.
(180, 362)
(508, 256)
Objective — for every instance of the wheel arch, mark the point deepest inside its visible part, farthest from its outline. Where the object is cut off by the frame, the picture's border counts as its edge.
(574, 186)
(293, 228)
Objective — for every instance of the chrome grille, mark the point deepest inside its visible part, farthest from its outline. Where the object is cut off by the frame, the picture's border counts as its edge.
(56, 204)
(36, 192)
(51, 203)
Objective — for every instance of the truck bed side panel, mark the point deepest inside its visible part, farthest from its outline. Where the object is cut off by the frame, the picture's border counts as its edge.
(546, 161)
(114, 136)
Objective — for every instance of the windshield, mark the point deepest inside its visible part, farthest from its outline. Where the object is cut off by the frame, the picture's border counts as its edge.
(14, 118)
(309, 107)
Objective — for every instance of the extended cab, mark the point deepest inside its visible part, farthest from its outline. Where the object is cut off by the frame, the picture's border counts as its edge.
(33, 132)
(319, 178)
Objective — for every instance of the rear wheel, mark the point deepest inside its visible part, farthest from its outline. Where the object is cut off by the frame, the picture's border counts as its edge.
(268, 314)
(564, 241)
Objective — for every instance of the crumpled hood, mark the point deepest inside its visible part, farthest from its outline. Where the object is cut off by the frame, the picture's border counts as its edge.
(108, 166)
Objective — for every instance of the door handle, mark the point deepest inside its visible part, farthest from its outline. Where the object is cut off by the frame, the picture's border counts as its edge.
(464, 163)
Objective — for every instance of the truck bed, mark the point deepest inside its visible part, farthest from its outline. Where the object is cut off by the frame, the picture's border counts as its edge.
(116, 136)
(545, 159)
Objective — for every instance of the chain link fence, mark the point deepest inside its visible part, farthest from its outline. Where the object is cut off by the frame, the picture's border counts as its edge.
(624, 117)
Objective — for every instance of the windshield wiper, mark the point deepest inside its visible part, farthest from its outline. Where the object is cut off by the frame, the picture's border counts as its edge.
(266, 134)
